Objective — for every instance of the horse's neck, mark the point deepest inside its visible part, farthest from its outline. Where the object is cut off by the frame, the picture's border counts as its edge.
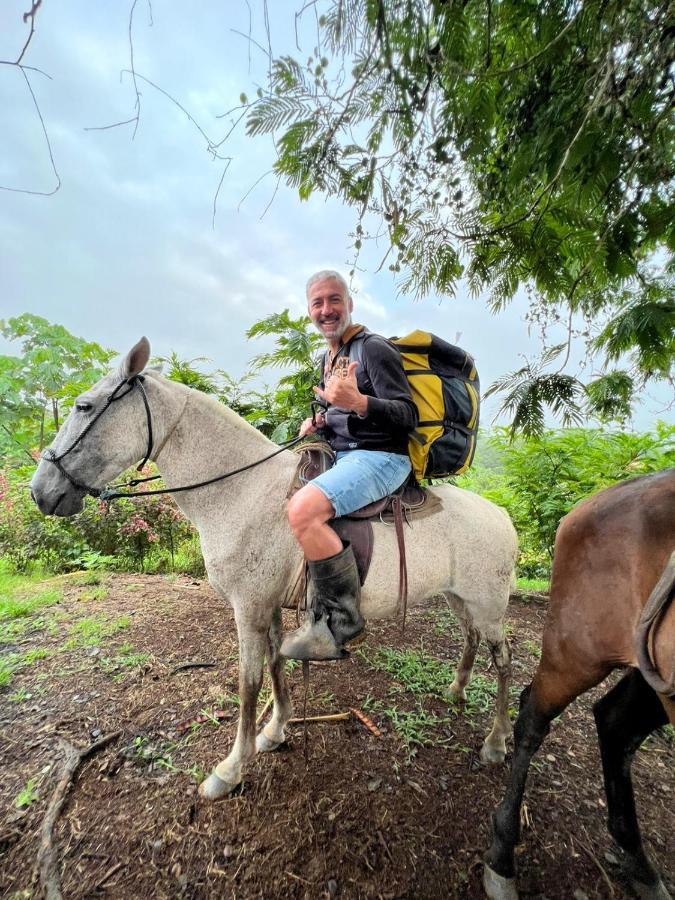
(208, 440)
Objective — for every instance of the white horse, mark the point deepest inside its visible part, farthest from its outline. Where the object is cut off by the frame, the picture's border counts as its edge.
(465, 551)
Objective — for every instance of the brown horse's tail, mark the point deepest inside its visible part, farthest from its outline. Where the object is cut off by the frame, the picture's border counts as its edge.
(654, 610)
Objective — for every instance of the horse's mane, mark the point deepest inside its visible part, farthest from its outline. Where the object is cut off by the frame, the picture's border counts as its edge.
(218, 409)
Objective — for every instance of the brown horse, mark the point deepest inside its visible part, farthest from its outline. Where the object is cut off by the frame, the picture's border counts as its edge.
(611, 553)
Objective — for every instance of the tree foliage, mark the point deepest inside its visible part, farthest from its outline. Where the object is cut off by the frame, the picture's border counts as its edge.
(39, 386)
(509, 142)
(540, 479)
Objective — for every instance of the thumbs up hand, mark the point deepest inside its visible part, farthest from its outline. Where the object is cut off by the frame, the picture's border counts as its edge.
(342, 390)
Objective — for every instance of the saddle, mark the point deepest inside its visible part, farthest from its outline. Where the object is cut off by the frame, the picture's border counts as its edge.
(410, 501)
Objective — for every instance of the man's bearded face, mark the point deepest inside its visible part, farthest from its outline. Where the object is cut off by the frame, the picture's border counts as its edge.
(330, 309)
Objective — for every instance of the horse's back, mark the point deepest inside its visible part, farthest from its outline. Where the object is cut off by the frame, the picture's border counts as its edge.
(609, 553)
(467, 549)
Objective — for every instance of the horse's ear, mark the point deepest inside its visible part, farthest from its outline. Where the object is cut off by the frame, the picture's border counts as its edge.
(136, 359)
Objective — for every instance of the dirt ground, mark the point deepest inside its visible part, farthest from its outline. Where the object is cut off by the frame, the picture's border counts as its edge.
(400, 815)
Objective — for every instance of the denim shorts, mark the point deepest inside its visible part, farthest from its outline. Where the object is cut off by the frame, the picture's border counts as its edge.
(360, 477)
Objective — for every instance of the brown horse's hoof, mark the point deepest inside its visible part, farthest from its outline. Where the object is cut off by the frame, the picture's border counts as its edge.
(497, 887)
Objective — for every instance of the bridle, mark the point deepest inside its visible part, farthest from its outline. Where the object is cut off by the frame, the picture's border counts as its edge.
(136, 381)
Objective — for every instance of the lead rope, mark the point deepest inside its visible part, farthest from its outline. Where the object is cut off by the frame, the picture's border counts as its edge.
(305, 681)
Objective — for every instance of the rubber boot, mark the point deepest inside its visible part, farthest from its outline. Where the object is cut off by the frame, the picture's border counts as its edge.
(333, 618)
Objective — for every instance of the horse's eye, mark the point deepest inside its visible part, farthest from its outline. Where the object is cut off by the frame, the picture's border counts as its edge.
(83, 407)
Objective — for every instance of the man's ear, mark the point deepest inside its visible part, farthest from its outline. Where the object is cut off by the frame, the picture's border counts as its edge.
(136, 359)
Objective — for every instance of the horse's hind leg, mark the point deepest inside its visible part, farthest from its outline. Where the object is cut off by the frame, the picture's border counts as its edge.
(456, 691)
(272, 735)
(624, 717)
(227, 774)
(494, 748)
(550, 692)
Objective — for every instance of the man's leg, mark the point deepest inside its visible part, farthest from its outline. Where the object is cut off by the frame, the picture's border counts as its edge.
(334, 589)
(308, 512)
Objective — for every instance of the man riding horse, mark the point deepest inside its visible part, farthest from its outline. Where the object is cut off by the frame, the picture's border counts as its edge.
(368, 414)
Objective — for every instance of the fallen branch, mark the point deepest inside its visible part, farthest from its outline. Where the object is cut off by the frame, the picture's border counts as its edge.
(193, 665)
(334, 717)
(46, 864)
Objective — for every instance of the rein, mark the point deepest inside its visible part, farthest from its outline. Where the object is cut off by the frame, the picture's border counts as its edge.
(112, 493)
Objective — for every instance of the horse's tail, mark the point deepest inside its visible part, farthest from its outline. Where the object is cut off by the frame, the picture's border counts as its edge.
(652, 614)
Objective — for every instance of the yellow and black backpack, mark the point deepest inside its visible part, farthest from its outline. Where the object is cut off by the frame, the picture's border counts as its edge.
(446, 391)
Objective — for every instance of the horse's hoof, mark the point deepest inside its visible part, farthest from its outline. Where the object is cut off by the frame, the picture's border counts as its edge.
(491, 756)
(656, 891)
(214, 788)
(263, 744)
(497, 887)
(455, 694)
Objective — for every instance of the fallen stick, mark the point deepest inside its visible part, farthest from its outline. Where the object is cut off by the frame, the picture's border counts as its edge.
(109, 874)
(46, 864)
(193, 665)
(263, 711)
(334, 717)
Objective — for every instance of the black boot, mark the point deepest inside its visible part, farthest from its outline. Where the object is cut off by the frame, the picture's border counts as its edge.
(333, 617)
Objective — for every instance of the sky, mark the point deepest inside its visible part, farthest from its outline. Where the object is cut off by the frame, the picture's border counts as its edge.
(129, 244)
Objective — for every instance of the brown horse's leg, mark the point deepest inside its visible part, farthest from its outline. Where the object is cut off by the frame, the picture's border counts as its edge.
(272, 735)
(494, 748)
(550, 692)
(624, 717)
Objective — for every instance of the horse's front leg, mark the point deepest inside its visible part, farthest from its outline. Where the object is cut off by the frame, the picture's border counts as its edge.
(272, 735)
(228, 773)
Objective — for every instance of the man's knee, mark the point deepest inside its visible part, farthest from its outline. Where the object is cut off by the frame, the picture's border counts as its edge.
(308, 508)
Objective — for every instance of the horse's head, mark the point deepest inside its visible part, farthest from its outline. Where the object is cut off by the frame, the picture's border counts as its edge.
(106, 432)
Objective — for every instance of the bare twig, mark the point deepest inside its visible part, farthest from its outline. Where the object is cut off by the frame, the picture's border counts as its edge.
(35, 6)
(598, 864)
(263, 711)
(47, 142)
(46, 864)
(108, 875)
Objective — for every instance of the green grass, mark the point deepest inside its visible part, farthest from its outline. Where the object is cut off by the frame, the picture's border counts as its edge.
(533, 648)
(90, 632)
(9, 664)
(20, 696)
(16, 607)
(536, 585)
(415, 727)
(414, 670)
(125, 660)
(26, 795)
(99, 593)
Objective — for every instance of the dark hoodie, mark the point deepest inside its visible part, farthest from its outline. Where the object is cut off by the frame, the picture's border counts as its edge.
(391, 413)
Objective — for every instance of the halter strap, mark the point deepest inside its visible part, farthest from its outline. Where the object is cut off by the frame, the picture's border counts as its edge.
(50, 456)
(112, 493)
